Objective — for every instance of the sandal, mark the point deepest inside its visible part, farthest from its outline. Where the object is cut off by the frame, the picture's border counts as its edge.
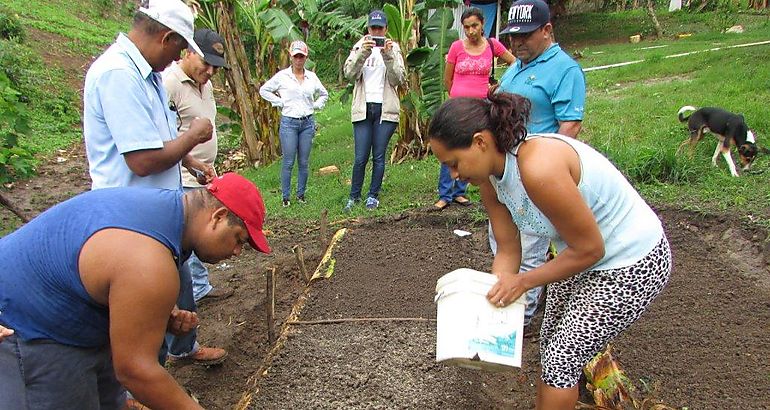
(462, 201)
(441, 205)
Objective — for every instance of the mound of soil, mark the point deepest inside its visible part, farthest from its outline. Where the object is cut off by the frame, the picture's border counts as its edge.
(702, 344)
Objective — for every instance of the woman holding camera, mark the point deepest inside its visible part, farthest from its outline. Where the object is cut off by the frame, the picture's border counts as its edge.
(376, 67)
(468, 74)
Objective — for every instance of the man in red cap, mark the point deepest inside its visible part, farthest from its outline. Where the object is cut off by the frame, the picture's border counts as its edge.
(88, 316)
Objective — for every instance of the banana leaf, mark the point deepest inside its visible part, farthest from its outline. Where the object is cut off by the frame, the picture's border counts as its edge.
(279, 25)
(422, 7)
(399, 28)
(418, 56)
(438, 29)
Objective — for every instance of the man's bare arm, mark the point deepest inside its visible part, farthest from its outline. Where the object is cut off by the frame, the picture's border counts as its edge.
(570, 128)
(152, 161)
(119, 280)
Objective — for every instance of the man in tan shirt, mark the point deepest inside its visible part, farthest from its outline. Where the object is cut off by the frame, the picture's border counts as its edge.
(191, 96)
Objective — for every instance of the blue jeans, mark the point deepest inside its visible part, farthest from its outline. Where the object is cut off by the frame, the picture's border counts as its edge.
(200, 277)
(448, 187)
(198, 272)
(371, 136)
(43, 374)
(533, 250)
(296, 141)
(186, 344)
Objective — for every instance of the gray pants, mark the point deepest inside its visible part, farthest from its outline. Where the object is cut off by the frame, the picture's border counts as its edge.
(533, 250)
(43, 374)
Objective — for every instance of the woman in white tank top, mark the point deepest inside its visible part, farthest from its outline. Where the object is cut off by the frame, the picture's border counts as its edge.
(613, 257)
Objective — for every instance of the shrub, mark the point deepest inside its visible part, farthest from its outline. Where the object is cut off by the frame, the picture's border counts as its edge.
(18, 63)
(10, 26)
(15, 161)
(325, 55)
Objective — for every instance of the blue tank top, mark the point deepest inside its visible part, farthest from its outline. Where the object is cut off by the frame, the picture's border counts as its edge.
(628, 225)
(41, 294)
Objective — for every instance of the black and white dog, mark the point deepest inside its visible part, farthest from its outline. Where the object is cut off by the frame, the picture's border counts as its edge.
(729, 128)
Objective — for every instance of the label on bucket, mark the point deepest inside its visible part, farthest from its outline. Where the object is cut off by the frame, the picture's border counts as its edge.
(497, 345)
(495, 335)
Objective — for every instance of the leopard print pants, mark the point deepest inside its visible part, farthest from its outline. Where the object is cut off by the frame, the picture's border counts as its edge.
(584, 312)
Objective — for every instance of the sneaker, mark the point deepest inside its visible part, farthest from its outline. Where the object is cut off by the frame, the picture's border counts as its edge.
(301, 199)
(207, 356)
(286, 203)
(372, 203)
(349, 206)
(215, 294)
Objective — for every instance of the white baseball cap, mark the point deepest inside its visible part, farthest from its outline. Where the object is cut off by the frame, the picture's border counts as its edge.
(175, 15)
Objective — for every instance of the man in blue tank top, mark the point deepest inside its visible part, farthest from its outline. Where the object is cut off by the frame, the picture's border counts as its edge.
(72, 334)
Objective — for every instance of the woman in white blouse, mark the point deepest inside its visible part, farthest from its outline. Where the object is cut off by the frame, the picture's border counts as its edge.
(298, 92)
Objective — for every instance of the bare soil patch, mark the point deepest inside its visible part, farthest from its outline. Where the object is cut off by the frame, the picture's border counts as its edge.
(50, 46)
(704, 342)
(709, 325)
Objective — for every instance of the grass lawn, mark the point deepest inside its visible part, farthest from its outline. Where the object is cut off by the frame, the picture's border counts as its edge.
(630, 116)
(630, 113)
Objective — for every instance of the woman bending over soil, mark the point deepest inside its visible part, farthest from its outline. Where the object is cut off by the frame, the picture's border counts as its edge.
(613, 257)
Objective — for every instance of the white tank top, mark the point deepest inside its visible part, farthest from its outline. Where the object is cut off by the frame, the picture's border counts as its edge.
(628, 225)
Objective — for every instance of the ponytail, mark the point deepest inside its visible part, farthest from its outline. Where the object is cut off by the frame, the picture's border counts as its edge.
(508, 114)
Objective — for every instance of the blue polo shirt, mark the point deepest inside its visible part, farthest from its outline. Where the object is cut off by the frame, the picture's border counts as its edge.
(555, 85)
(125, 109)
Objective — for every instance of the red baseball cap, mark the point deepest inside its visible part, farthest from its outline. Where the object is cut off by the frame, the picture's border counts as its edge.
(243, 199)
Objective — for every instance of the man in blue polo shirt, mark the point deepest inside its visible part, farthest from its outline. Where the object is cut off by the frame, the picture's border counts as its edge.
(130, 130)
(554, 84)
(551, 80)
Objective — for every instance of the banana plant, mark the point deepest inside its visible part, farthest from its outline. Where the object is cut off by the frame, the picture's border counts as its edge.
(439, 35)
(425, 89)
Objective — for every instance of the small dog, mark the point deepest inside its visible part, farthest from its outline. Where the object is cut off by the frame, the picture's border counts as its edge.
(730, 128)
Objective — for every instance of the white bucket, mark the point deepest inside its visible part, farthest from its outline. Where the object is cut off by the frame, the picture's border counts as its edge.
(470, 331)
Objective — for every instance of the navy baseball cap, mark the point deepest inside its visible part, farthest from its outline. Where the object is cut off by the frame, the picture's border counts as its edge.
(212, 47)
(377, 18)
(526, 16)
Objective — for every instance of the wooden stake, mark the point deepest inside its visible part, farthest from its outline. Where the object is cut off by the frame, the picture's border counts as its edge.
(16, 211)
(270, 305)
(301, 261)
(323, 235)
(359, 319)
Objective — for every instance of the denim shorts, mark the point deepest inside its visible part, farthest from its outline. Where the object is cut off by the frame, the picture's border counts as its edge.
(43, 374)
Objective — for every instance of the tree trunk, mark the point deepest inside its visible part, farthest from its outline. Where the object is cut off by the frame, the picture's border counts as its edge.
(259, 122)
(654, 17)
(340, 72)
(11, 207)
